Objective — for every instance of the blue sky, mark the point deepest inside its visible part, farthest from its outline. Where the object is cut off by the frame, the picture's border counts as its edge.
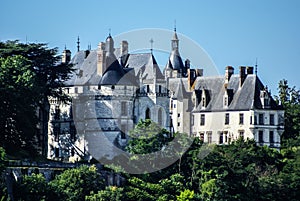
(232, 32)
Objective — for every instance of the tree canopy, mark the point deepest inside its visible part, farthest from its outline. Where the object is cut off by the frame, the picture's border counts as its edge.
(29, 74)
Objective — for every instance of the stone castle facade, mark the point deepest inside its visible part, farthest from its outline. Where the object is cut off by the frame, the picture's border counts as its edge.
(112, 90)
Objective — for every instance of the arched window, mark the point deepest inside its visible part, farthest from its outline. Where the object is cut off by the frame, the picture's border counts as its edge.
(159, 117)
(147, 114)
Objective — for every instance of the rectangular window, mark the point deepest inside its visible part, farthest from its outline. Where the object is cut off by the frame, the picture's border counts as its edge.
(123, 108)
(271, 119)
(193, 120)
(174, 105)
(227, 118)
(76, 90)
(226, 136)
(255, 120)
(178, 124)
(221, 138)
(159, 88)
(241, 118)
(260, 136)
(271, 136)
(209, 137)
(202, 120)
(261, 119)
(250, 120)
(241, 134)
(148, 89)
(178, 115)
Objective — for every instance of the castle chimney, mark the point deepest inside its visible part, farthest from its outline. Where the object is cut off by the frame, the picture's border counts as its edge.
(249, 70)
(101, 59)
(229, 71)
(66, 56)
(191, 77)
(124, 47)
(86, 53)
(187, 63)
(242, 75)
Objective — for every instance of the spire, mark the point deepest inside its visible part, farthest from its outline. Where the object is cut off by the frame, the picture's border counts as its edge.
(175, 41)
(78, 44)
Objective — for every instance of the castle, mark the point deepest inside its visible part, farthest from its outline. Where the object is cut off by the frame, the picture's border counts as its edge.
(112, 90)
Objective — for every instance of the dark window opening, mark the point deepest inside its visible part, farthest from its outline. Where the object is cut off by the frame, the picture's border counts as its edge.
(241, 118)
(271, 119)
(261, 119)
(260, 136)
(271, 136)
(227, 118)
(202, 120)
(147, 114)
(221, 138)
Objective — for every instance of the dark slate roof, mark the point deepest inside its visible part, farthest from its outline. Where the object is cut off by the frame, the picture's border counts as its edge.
(244, 98)
(85, 69)
(113, 74)
(173, 84)
(180, 92)
(126, 70)
(175, 61)
(144, 64)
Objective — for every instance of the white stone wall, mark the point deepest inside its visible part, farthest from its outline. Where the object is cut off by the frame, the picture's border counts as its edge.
(215, 124)
(181, 116)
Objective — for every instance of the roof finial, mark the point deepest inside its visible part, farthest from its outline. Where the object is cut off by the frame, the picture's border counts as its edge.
(109, 32)
(175, 25)
(151, 42)
(78, 44)
(65, 47)
(256, 67)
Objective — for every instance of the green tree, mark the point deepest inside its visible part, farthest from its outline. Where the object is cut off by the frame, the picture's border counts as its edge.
(17, 117)
(33, 188)
(75, 184)
(3, 191)
(290, 100)
(232, 172)
(110, 193)
(29, 74)
(147, 137)
(186, 195)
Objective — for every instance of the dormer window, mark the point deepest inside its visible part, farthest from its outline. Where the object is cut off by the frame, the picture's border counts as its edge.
(203, 99)
(265, 98)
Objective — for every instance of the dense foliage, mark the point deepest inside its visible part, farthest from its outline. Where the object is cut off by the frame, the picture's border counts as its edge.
(29, 73)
